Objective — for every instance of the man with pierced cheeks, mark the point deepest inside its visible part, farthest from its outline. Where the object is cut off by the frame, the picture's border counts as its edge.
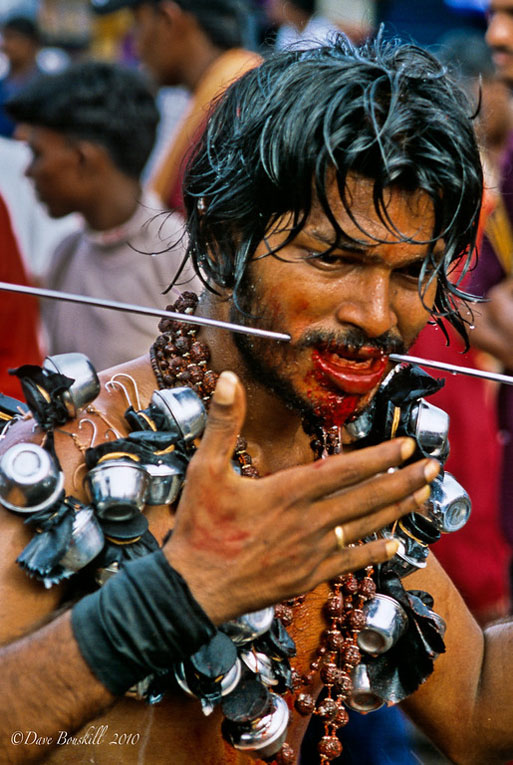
(329, 198)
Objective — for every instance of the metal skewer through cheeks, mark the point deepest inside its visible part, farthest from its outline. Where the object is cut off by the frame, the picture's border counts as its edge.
(203, 321)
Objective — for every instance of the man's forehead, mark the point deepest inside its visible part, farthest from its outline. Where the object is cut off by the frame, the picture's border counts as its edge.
(402, 214)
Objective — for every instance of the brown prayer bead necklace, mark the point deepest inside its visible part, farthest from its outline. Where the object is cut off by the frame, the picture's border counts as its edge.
(179, 358)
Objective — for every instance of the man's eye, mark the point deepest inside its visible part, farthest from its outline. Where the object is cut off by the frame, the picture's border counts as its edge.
(413, 271)
(329, 260)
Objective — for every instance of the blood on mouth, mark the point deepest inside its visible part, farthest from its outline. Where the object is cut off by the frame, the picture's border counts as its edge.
(343, 377)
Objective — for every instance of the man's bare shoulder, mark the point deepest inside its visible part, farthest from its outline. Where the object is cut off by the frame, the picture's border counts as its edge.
(24, 601)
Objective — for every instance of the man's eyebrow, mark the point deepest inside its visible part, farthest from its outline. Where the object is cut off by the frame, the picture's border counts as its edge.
(363, 248)
(337, 241)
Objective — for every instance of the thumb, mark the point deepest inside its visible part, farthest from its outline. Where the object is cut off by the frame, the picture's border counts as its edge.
(225, 419)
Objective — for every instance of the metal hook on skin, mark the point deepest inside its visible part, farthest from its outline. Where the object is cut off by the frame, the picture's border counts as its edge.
(111, 384)
(113, 381)
(95, 430)
(77, 470)
(114, 434)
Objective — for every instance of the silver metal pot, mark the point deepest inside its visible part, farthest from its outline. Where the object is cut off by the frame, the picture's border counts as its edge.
(264, 737)
(86, 385)
(87, 541)
(449, 505)
(363, 698)
(227, 684)
(29, 479)
(117, 489)
(386, 622)
(165, 482)
(249, 626)
(260, 664)
(431, 426)
(184, 411)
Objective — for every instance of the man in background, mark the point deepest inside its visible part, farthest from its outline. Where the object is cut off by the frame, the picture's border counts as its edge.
(199, 45)
(90, 129)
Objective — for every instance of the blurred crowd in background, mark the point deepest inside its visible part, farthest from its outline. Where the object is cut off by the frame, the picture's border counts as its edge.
(85, 219)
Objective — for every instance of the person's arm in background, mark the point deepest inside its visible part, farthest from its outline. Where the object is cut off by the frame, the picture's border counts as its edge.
(492, 321)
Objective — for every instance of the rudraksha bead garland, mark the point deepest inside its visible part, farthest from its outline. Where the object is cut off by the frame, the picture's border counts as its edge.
(323, 441)
(336, 657)
(179, 358)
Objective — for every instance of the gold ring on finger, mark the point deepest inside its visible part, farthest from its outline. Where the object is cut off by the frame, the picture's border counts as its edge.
(339, 533)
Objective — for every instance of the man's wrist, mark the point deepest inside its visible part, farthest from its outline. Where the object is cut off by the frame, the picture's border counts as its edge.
(141, 622)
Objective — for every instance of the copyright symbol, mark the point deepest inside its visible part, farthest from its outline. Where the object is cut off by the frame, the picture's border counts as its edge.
(17, 737)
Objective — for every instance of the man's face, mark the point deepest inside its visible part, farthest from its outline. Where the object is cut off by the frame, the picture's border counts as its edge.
(155, 46)
(345, 311)
(19, 49)
(54, 169)
(500, 37)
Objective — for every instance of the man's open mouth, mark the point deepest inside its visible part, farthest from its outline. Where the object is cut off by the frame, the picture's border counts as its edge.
(349, 370)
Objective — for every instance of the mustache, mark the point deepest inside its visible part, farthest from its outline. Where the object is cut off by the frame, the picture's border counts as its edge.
(352, 340)
(501, 49)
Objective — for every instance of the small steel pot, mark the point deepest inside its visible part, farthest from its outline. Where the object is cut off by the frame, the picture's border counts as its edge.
(118, 489)
(185, 412)
(166, 481)
(86, 385)
(363, 698)
(87, 541)
(29, 479)
(249, 626)
(227, 684)
(386, 622)
(265, 736)
(449, 505)
(260, 664)
(431, 425)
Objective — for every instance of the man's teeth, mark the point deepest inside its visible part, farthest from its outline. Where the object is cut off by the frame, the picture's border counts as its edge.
(350, 361)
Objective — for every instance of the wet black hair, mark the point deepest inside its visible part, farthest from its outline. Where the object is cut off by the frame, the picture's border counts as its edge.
(97, 101)
(386, 110)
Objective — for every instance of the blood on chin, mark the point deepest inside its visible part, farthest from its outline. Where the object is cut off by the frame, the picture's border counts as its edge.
(334, 410)
(333, 407)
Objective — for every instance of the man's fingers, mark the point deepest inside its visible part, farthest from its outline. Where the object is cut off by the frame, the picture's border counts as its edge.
(377, 493)
(343, 470)
(352, 531)
(225, 419)
(355, 558)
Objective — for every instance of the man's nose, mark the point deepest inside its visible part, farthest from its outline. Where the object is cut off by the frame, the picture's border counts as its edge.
(500, 31)
(370, 307)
